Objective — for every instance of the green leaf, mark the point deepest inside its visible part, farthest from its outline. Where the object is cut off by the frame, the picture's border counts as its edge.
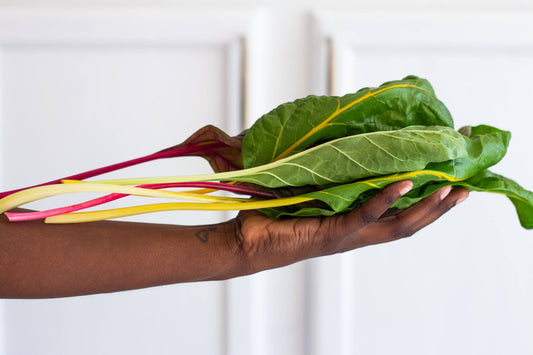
(344, 198)
(485, 147)
(361, 156)
(521, 198)
(295, 126)
(356, 157)
(484, 181)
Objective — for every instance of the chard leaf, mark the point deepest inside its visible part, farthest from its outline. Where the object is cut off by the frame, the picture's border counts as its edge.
(360, 156)
(340, 161)
(327, 155)
(344, 198)
(484, 181)
(352, 158)
(521, 198)
(295, 126)
(485, 147)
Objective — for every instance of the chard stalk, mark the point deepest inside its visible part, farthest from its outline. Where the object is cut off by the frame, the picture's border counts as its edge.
(167, 153)
(36, 193)
(160, 207)
(212, 186)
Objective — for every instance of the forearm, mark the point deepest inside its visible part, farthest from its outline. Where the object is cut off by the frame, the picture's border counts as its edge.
(38, 260)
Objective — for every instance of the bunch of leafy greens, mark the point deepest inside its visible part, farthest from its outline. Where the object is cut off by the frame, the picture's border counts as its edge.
(317, 156)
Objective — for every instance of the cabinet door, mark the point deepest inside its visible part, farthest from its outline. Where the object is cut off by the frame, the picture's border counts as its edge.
(462, 285)
(85, 89)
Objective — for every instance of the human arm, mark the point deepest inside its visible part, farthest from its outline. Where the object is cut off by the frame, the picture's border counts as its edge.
(39, 260)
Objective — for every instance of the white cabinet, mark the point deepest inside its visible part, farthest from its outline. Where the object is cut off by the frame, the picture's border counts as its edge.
(458, 286)
(84, 88)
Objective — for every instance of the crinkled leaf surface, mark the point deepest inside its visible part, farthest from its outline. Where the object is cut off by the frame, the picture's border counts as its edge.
(344, 198)
(340, 151)
(485, 147)
(484, 181)
(295, 126)
(360, 156)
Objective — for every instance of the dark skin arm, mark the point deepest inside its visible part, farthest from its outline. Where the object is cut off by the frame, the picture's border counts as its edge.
(41, 261)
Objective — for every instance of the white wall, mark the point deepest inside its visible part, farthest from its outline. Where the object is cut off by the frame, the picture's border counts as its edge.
(463, 285)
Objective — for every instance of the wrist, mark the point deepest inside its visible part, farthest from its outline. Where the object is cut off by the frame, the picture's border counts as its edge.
(227, 248)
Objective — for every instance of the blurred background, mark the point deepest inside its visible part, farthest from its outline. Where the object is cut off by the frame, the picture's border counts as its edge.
(87, 83)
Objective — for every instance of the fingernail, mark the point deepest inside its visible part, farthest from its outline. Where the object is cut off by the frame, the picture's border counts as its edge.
(460, 200)
(408, 185)
(445, 191)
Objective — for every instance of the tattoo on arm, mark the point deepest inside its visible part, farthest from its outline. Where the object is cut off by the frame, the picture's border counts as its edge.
(203, 235)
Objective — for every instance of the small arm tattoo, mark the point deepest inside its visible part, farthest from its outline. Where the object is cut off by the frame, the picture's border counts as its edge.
(203, 235)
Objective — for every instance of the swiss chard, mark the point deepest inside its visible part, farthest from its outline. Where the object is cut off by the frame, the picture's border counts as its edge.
(294, 126)
(319, 155)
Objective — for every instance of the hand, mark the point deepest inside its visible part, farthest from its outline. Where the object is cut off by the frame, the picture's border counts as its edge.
(267, 243)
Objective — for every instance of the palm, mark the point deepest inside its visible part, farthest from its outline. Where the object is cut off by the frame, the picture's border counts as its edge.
(269, 243)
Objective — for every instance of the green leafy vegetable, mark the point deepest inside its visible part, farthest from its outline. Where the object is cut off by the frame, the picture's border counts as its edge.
(322, 155)
(346, 159)
(294, 126)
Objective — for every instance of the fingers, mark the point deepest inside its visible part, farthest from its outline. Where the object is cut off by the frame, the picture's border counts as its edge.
(424, 212)
(370, 211)
(430, 209)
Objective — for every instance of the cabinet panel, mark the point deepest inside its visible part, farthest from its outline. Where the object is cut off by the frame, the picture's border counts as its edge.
(74, 99)
(461, 282)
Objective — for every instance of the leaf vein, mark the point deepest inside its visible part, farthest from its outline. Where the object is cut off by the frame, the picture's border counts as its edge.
(313, 173)
(352, 160)
(383, 149)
